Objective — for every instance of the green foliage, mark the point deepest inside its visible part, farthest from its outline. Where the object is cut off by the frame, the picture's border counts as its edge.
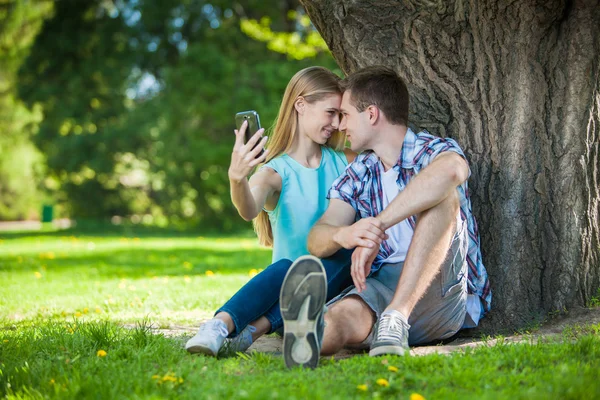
(21, 164)
(138, 100)
(54, 344)
(305, 42)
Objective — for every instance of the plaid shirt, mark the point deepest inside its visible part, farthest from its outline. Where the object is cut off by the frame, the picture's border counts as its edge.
(360, 186)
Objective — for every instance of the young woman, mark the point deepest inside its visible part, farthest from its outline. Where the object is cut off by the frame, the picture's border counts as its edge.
(285, 197)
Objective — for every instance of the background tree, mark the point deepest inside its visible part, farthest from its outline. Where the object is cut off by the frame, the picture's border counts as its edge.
(21, 163)
(139, 96)
(518, 85)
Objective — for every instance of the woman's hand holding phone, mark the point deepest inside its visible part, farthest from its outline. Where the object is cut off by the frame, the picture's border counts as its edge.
(246, 156)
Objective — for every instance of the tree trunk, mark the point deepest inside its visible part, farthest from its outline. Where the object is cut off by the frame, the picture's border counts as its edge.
(517, 84)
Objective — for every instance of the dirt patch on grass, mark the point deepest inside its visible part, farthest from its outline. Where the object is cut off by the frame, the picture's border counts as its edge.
(576, 319)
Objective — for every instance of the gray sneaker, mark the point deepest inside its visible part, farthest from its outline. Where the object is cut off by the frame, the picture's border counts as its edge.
(240, 343)
(302, 301)
(391, 334)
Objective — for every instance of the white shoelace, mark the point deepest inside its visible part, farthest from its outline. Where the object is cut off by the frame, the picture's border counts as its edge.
(213, 327)
(391, 327)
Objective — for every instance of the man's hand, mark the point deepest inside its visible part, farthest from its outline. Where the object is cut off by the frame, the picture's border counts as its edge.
(362, 259)
(366, 232)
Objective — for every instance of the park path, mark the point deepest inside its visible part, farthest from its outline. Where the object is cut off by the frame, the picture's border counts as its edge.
(552, 329)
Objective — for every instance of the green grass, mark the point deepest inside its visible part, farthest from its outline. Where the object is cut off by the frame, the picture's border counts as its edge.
(53, 340)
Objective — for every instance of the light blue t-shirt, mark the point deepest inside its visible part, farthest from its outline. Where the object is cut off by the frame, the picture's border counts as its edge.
(302, 201)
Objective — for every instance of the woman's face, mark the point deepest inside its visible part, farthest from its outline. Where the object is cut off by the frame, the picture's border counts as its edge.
(320, 119)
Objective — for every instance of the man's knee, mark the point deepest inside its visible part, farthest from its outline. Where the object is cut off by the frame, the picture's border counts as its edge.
(351, 317)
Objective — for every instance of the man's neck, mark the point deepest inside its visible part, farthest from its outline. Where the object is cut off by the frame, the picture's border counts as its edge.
(389, 145)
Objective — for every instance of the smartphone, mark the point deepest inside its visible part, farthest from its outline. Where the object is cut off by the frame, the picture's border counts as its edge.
(253, 124)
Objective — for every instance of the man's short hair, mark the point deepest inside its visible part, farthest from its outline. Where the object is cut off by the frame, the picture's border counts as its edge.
(382, 87)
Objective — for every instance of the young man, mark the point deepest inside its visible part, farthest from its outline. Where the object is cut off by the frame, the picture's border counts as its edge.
(416, 267)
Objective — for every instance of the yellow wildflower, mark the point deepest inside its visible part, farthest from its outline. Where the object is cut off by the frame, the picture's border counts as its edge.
(382, 382)
(253, 272)
(186, 278)
(209, 273)
(37, 275)
(86, 310)
(51, 381)
(78, 314)
(362, 388)
(98, 310)
(391, 368)
(101, 353)
(416, 396)
(187, 265)
(155, 376)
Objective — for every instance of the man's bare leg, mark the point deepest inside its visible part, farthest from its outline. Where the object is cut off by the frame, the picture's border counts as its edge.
(349, 321)
(426, 254)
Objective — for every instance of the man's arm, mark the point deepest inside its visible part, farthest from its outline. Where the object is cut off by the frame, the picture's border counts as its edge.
(335, 230)
(426, 190)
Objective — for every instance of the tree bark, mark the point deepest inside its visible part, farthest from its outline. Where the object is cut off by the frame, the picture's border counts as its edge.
(517, 84)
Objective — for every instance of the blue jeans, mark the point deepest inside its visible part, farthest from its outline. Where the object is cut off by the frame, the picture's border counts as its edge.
(260, 296)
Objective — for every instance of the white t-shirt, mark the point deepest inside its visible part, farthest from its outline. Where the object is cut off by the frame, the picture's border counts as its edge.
(400, 235)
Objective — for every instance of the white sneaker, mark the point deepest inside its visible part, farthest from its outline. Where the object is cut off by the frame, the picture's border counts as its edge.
(209, 339)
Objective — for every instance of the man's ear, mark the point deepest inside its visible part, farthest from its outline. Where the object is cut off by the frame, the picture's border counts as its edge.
(300, 105)
(374, 114)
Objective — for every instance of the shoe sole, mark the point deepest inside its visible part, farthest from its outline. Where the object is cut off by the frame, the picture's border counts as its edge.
(386, 350)
(197, 349)
(301, 299)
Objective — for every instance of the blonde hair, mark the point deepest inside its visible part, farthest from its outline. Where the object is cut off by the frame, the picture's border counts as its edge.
(313, 84)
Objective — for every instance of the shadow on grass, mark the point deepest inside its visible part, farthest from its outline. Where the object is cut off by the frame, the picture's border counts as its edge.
(107, 229)
(144, 262)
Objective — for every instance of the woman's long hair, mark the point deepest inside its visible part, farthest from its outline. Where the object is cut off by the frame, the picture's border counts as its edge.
(314, 84)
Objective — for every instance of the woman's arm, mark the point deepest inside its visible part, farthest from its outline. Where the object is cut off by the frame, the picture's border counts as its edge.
(249, 197)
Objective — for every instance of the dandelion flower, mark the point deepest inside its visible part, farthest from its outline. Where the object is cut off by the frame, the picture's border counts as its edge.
(382, 382)
(51, 381)
(86, 310)
(362, 388)
(155, 376)
(101, 353)
(37, 275)
(209, 273)
(391, 368)
(78, 314)
(253, 272)
(416, 396)
(98, 310)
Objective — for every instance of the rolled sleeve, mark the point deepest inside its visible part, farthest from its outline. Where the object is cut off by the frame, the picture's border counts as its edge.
(343, 189)
(438, 146)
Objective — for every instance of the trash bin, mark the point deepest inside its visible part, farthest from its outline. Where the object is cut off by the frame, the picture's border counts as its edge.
(47, 213)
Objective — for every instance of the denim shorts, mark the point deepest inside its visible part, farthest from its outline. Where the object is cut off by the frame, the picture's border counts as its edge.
(440, 313)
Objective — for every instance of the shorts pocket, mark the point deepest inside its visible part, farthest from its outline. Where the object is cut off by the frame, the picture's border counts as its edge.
(454, 267)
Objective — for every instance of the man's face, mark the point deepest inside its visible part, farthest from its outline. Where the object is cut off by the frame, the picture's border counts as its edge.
(355, 124)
